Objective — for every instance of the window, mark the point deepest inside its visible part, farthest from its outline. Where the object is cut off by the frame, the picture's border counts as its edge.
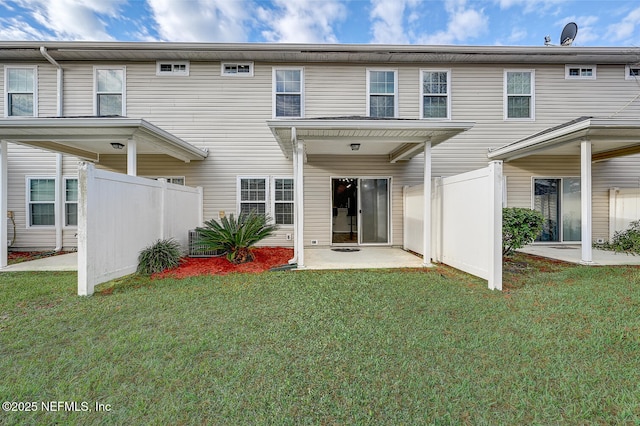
(435, 87)
(283, 201)
(240, 69)
(71, 202)
(632, 72)
(176, 180)
(584, 72)
(382, 97)
(172, 68)
(110, 91)
(41, 196)
(20, 89)
(519, 94)
(288, 84)
(275, 200)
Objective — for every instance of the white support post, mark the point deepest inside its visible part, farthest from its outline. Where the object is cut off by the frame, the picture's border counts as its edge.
(86, 270)
(585, 201)
(613, 211)
(426, 215)
(132, 160)
(296, 240)
(495, 225)
(4, 234)
(299, 183)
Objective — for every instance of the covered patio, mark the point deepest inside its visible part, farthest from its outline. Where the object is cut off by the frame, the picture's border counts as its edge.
(592, 139)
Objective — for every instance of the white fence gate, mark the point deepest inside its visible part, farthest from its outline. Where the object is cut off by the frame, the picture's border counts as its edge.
(119, 215)
(624, 208)
(466, 222)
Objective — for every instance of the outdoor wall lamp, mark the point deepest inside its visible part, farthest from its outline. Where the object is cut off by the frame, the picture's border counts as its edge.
(117, 145)
(355, 146)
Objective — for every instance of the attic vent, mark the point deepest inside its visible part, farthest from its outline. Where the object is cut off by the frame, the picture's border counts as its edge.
(196, 250)
(236, 69)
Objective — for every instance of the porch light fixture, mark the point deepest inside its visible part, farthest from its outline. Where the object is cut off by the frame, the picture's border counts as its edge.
(355, 146)
(117, 145)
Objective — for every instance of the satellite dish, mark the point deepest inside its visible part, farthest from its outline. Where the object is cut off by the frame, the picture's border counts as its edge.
(568, 34)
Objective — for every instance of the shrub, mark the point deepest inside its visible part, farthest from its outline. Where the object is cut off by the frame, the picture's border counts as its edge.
(162, 255)
(519, 228)
(627, 241)
(235, 236)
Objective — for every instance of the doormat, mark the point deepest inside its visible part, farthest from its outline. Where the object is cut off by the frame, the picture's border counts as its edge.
(345, 249)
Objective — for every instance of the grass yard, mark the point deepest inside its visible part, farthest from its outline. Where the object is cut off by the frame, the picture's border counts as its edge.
(560, 346)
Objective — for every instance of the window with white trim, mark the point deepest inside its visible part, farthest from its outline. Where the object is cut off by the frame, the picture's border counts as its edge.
(435, 93)
(175, 68)
(288, 92)
(70, 202)
(583, 72)
(21, 91)
(267, 195)
(176, 180)
(382, 93)
(41, 199)
(110, 91)
(519, 90)
(631, 72)
(236, 69)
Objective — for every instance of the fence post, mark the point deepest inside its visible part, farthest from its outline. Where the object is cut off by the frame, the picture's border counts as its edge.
(495, 225)
(86, 272)
(613, 211)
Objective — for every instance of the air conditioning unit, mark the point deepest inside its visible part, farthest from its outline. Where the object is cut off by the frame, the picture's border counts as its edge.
(196, 250)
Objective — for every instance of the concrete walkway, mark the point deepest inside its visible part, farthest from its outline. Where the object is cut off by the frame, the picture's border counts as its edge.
(573, 253)
(365, 258)
(63, 262)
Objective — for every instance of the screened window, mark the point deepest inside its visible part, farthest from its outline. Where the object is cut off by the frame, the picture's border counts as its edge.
(288, 92)
(244, 69)
(435, 94)
(253, 195)
(21, 93)
(283, 201)
(584, 72)
(632, 72)
(382, 98)
(71, 202)
(110, 91)
(41, 195)
(519, 90)
(180, 68)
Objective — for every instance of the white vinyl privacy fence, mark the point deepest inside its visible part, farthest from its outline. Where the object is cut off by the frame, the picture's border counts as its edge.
(466, 222)
(624, 208)
(119, 215)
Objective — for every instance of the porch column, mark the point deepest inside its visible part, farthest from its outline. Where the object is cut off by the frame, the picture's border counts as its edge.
(132, 160)
(585, 200)
(299, 201)
(426, 216)
(4, 235)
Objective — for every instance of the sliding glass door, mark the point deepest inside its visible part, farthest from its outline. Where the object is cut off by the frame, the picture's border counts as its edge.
(558, 199)
(374, 211)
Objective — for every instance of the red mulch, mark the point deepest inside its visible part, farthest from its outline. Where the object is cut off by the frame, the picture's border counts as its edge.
(25, 256)
(265, 259)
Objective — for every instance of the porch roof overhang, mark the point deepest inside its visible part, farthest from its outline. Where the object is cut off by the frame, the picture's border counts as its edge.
(610, 138)
(89, 137)
(398, 139)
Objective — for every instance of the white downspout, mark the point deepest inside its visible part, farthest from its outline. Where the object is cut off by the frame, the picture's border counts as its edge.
(296, 246)
(59, 112)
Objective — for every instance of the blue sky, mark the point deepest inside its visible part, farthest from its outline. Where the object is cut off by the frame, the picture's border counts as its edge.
(461, 22)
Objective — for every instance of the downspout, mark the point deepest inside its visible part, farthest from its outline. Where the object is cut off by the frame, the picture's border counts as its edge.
(59, 112)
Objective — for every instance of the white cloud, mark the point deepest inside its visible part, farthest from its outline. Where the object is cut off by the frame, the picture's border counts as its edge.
(388, 20)
(71, 19)
(626, 28)
(302, 21)
(14, 29)
(529, 6)
(201, 20)
(464, 24)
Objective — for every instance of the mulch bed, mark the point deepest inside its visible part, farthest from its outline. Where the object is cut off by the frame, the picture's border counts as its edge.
(265, 259)
(25, 256)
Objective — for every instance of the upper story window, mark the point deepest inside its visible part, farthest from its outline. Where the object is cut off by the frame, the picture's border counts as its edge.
(236, 69)
(21, 91)
(519, 90)
(435, 94)
(110, 91)
(288, 92)
(632, 72)
(172, 68)
(382, 93)
(585, 72)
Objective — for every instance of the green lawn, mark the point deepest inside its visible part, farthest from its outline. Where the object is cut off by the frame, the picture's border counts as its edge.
(560, 346)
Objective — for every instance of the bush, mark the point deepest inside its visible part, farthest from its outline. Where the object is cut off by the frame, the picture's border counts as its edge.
(627, 241)
(162, 255)
(235, 236)
(519, 228)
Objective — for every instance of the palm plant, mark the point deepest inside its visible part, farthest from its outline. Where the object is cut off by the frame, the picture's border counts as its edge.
(235, 236)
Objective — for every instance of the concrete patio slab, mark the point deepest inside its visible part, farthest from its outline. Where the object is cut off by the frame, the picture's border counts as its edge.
(63, 262)
(364, 258)
(572, 254)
